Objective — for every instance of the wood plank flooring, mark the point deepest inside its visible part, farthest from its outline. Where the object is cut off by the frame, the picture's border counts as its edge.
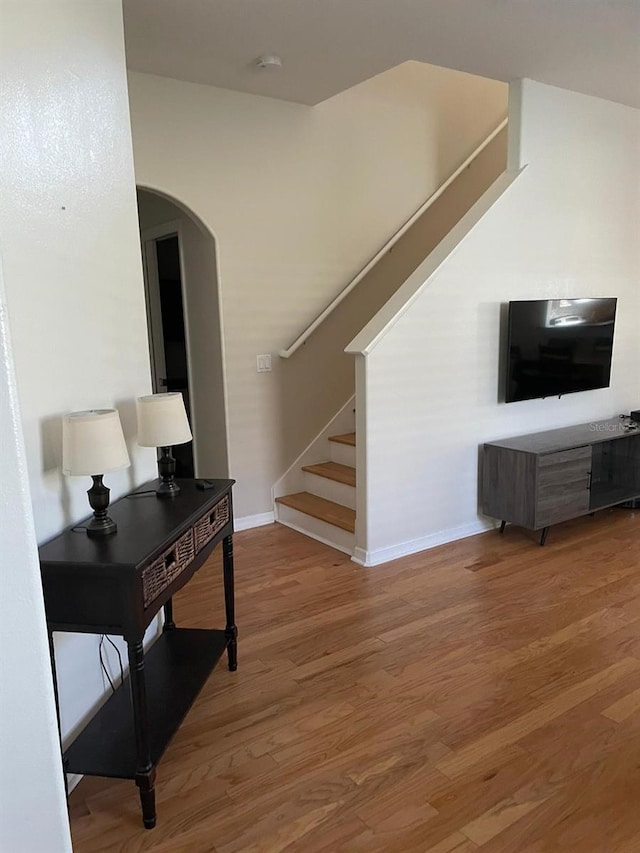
(481, 696)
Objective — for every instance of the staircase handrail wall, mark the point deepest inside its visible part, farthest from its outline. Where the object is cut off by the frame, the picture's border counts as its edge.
(287, 353)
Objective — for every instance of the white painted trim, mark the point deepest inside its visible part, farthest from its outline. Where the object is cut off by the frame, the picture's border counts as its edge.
(247, 522)
(424, 543)
(286, 353)
(158, 232)
(154, 311)
(362, 458)
(223, 351)
(359, 556)
(193, 406)
(313, 535)
(366, 340)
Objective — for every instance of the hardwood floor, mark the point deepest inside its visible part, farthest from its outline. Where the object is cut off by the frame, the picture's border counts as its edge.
(484, 695)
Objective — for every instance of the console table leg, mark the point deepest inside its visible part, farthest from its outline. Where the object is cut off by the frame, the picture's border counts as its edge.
(147, 787)
(169, 624)
(145, 773)
(543, 536)
(229, 602)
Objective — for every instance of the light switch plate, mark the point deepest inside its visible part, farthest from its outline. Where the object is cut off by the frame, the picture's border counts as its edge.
(263, 363)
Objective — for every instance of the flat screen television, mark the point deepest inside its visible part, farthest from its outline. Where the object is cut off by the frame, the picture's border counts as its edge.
(558, 346)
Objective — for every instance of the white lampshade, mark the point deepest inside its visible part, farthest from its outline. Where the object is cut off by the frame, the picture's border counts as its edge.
(162, 420)
(93, 443)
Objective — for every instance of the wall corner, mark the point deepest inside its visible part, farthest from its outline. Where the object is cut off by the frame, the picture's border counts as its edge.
(514, 147)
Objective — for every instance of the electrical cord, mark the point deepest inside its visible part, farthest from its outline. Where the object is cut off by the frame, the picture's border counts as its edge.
(109, 640)
(102, 664)
(104, 637)
(80, 528)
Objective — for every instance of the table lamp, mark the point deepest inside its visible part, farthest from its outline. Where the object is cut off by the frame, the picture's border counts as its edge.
(162, 422)
(93, 442)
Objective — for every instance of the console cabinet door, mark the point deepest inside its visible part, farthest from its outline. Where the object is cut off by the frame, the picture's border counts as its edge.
(562, 485)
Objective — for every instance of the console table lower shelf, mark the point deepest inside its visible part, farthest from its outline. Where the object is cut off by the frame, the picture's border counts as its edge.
(175, 670)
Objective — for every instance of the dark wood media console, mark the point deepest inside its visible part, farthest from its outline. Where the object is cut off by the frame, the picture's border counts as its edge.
(547, 477)
(116, 585)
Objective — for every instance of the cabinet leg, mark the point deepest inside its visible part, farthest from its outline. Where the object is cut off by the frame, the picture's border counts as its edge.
(543, 536)
(229, 602)
(147, 787)
(503, 524)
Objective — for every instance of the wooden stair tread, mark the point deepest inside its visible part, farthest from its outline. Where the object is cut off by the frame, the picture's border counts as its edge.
(332, 513)
(345, 438)
(333, 471)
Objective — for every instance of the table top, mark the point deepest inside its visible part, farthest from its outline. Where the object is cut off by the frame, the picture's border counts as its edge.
(551, 441)
(146, 525)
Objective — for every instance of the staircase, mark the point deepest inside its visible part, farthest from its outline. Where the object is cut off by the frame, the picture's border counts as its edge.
(318, 376)
(326, 509)
(317, 493)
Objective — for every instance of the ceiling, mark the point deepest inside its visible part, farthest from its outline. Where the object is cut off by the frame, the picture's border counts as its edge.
(590, 46)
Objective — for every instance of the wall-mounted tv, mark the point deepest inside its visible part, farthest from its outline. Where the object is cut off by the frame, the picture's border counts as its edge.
(558, 346)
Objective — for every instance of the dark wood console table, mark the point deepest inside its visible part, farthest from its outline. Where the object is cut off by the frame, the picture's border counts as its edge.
(547, 477)
(116, 585)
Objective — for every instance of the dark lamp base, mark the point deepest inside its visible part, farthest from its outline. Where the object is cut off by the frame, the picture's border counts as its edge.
(168, 490)
(100, 524)
(168, 487)
(101, 527)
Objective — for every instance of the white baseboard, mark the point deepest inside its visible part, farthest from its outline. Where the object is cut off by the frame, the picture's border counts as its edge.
(413, 546)
(360, 556)
(312, 534)
(249, 521)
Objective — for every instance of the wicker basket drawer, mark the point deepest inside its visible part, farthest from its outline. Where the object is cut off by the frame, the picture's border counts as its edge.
(211, 523)
(163, 571)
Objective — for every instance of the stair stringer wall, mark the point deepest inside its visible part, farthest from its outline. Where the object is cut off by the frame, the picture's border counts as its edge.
(293, 480)
(314, 381)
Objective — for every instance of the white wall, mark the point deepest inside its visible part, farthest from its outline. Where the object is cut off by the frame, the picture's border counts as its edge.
(30, 765)
(567, 227)
(72, 268)
(299, 199)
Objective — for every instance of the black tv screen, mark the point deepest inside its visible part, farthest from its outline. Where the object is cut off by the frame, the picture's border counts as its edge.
(558, 346)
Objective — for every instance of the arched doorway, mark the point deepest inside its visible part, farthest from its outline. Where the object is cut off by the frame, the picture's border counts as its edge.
(184, 322)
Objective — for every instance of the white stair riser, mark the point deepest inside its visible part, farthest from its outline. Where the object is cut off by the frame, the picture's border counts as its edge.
(316, 529)
(339, 493)
(345, 454)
